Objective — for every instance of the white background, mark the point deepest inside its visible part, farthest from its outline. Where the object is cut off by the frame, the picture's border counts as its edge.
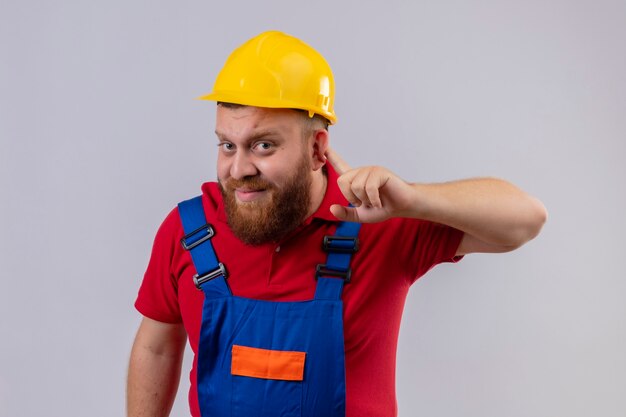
(100, 136)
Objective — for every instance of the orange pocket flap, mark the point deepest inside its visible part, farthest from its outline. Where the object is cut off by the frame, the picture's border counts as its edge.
(267, 364)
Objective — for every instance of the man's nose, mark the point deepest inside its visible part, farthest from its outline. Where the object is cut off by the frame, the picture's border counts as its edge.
(243, 166)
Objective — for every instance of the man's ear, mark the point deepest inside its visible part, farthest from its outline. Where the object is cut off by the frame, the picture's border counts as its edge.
(319, 146)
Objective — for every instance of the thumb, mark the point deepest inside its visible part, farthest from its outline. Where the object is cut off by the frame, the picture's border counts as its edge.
(348, 214)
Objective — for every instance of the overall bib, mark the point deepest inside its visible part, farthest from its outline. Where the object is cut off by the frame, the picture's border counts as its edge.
(265, 358)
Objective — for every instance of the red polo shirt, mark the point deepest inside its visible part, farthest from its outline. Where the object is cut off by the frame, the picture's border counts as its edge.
(392, 255)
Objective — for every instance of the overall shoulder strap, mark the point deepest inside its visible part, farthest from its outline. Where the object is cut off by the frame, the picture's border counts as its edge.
(197, 240)
(336, 272)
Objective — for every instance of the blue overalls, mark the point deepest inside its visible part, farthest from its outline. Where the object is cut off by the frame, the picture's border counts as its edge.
(265, 358)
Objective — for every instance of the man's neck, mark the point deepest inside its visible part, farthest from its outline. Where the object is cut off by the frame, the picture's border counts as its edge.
(318, 190)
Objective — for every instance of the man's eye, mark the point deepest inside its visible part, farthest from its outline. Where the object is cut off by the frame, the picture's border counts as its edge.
(226, 146)
(263, 146)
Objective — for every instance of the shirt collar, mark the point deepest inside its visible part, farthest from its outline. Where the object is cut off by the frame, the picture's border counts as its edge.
(332, 196)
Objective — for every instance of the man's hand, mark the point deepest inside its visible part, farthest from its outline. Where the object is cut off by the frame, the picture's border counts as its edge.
(495, 215)
(376, 193)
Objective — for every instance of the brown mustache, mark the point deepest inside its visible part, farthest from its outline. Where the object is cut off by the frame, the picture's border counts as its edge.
(254, 183)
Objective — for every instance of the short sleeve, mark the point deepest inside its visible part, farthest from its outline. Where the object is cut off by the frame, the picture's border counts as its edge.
(158, 294)
(431, 244)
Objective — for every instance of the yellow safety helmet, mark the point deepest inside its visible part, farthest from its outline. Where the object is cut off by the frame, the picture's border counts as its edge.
(276, 70)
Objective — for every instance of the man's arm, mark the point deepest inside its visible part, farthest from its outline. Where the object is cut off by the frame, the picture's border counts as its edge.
(154, 369)
(495, 215)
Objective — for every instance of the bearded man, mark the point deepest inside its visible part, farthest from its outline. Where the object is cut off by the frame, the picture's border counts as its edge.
(264, 208)
(289, 275)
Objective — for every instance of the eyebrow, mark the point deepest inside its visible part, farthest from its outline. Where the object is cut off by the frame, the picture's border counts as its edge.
(257, 135)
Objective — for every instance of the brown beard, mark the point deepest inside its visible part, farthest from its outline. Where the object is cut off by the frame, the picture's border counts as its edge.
(255, 222)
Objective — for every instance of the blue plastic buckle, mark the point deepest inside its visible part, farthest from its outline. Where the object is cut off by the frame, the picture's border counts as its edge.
(340, 244)
(198, 280)
(323, 270)
(201, 234)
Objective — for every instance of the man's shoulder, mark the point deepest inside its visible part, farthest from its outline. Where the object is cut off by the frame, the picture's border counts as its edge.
(211, 196)
(211, 192)
(211, 203)
(404, 232)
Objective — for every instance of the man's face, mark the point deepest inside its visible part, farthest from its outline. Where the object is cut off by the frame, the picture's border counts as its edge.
(264, 171)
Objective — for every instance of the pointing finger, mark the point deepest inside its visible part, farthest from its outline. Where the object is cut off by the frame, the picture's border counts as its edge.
(337, 162)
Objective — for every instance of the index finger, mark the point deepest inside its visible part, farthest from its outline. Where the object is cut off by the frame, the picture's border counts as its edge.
(337, 162)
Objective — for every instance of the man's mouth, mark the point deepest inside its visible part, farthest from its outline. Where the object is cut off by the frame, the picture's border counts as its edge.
(246, 195)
